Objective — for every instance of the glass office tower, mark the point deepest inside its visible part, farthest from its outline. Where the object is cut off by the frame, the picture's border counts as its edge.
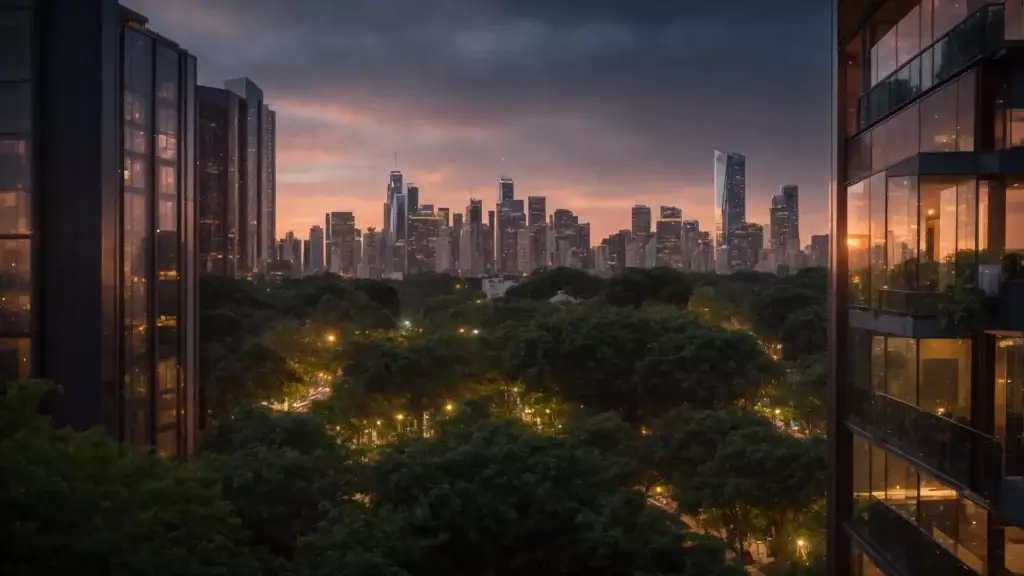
(98, 238)
(927, 335)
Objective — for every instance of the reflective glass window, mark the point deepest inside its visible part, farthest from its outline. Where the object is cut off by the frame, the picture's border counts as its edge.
(945, 378)
(902, 237)
(858, 241)
(878, 264)
(965, 112)
(966, 228)
(886, 54)
(1015, 217)
(902, 138)
(908, 36)
(1013, 545)
(15, 285)
(938, 513)
(939, 121)
(926, 22)
(15, 45)
(878, 364)
(14, 186)
(972, 535)
(879, 138)
(14, 357)
(859, 156)
(927, 70)
(901, 487)
(938, 228)
(861, 476)
(901, 369)
(878, 478)
(15, 107)
(946, 14)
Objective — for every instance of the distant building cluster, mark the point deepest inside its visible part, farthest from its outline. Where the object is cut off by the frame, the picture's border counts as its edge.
(518, 237)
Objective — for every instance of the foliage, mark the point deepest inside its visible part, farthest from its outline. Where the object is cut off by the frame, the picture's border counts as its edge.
(638, 363)
(492, 497)
(804, 332)
(634, 287)
(964, 305)
(282, 473)
(801, 393)
(78, 503)
(547, 283)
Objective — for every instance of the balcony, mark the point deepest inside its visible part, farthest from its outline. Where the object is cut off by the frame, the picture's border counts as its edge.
(909, 302)
(906, 546)
(978, 35)
(964, 455)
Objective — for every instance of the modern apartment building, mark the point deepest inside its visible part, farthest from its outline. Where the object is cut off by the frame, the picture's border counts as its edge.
(219, 147)
(927, 391)
(98, 228)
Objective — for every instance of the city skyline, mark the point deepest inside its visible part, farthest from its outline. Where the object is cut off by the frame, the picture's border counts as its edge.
(589, 146)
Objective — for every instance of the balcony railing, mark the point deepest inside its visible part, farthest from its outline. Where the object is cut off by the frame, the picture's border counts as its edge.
(963, 454)
(907, 546)
(909, 302)
(979, 34)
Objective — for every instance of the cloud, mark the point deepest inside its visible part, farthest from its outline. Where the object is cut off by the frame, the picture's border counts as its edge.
(598, 104)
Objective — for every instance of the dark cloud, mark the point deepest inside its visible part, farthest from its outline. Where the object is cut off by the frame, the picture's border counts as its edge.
(621, 96)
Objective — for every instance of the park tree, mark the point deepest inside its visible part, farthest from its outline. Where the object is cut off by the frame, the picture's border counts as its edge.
(490, 496)
(79, 503)
(547, 283)
(283, 474)
(801, 393)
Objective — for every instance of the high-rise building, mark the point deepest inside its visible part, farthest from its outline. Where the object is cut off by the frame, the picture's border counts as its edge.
(614, 251)
(537, 206)
(445, 214)
(926, 415)
(412, 196)
(218, 147)
(691, 239)
(97, 175)
(565, 227)
(289, 249)
(669, 238)
(785, 226)
(395, 187)
(256, 239)
(371, 265)
(704, 257)
(747, 244)
(341, 230)
(268, 203)
(511, 218)
(730, 201)
(506, 189)
(819, 250)
(445, 263)
(601, 259)
(641, 220)
(472, 249)
(489, 235)
(457, 230)
(524, 250)
(424, 230)
(307, 257)
(316, 262)
(583, 245)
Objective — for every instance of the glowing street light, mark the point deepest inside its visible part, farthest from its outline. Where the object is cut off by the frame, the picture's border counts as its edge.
(332, 338)
(406, 324)
(449, 407)
(476, 331)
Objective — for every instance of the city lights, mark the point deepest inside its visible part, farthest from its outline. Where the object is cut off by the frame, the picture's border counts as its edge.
(331, 338)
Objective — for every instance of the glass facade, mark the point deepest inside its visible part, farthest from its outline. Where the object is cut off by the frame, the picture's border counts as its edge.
(16, 271)
(156, 89)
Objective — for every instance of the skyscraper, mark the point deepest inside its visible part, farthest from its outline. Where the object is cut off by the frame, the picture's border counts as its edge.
(538, 211)
(445, 215)
(641, 220)
(424, 230)
(691, 239)
(926, 415)
(412, 193)
(218, 147)
(315, 262)
(506, 189)
(819, 250)
(457, 232)
(99, 293)
(785, 226)
(730, 201)
(747, 244)
(669, 238)
(268, 203)
(341, 229)
(371, 265)
(565, 227)
(255, 202)
(583, 246)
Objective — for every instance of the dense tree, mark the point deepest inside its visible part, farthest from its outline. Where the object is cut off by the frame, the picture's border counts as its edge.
(282, 472)
(634, 287)
(638, 363)
(544, 284)
(493, 497)
(800, 394)
(78, 503)
(804, 333)
(759, 478)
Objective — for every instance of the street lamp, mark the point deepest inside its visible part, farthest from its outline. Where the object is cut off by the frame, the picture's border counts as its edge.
(449, 407)
(332, 338)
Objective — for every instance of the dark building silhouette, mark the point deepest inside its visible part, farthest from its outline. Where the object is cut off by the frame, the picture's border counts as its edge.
(98, 130)
(218, 147)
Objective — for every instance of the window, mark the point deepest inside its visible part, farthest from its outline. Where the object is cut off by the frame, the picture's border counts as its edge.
(859, 156)
(901, 369)
(902, 221)
(946, 14)
(877, 256)
(937, 511)
(1009, 404)
(15, 107)
(965, 87)
(908, 36)
(901, 487)
(14, 357)
(14, 186)
(939, 121)
(940, 201)
(902, 136)
(15, 286)
(945, 378)
(926, 22)
(878, 478)
(885, 53)
(861, 476)
(966, 229)
(972, 535)
(878, 364)
(167, 181)
(1015, 217)
(15, 45)
(857, 241)
(1013, 550)
(879, 137)
(135, 173)
(136, 139)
